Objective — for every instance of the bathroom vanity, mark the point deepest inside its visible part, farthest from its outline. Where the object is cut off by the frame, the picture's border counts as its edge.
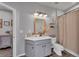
(38, 46)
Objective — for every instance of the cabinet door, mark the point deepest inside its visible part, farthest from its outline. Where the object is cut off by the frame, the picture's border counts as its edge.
(29, 50)
(43, 50)
(40, 50)
(48, 49)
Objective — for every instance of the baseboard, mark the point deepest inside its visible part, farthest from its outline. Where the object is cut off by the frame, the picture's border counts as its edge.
(71, 52)
(23, 54)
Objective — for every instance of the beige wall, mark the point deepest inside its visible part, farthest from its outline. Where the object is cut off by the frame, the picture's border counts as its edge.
(69, 31)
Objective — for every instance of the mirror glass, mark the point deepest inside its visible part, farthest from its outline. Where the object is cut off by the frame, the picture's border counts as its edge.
(39, 25)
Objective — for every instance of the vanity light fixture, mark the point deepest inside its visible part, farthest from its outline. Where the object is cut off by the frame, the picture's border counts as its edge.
(40, 14)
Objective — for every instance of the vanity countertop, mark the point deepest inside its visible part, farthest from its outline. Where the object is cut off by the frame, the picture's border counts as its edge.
(37, 38)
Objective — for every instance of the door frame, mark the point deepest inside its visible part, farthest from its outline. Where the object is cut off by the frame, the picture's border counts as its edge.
(14, 28)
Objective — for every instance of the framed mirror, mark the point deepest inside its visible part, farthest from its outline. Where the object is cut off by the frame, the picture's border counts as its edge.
(39, 26)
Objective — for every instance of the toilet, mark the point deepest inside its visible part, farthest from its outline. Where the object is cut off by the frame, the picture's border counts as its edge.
(57, 48)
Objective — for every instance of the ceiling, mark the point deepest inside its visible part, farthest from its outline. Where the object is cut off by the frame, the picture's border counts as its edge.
(4, 8)
(59, 5)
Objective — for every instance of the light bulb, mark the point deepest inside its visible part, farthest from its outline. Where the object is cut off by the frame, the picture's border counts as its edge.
(45, 15)
(35, 14)
(40, 15)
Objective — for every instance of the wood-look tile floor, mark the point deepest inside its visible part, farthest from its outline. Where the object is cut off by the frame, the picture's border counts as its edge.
(6, 52)
(64, 54)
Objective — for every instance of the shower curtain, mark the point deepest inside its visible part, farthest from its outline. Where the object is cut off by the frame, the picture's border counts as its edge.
(68, 30)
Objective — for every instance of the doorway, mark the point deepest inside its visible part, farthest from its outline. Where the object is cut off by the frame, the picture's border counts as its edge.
(9, 28)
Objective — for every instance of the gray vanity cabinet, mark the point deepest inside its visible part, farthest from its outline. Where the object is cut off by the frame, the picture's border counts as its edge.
(37, 48)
